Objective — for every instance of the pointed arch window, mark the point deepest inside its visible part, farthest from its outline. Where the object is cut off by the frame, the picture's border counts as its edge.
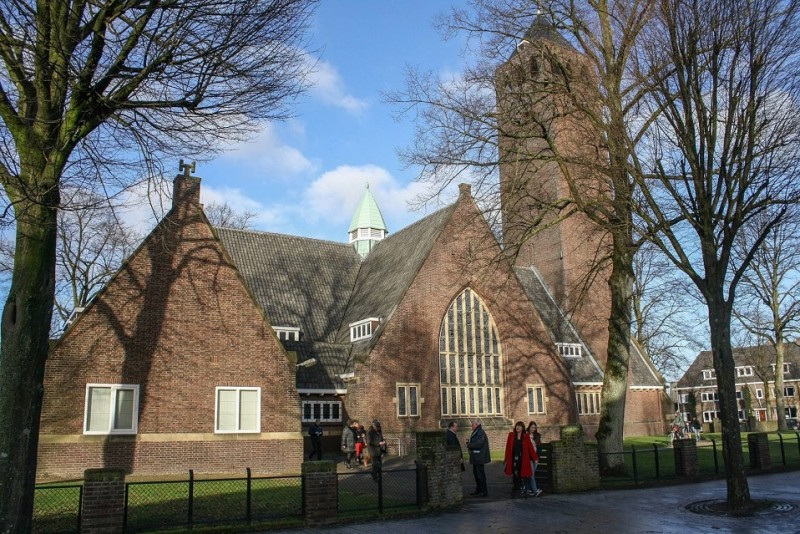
(470, 361)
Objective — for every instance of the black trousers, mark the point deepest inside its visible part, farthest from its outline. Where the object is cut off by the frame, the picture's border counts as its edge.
(316, 442)
(479, 473)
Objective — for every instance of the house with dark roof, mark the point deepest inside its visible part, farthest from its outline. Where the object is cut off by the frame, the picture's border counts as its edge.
(696, 391)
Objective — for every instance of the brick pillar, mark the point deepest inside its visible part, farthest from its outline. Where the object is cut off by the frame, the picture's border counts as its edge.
(685, 451)
(574, 465)
(103, 507)
(758, 443)
(320, 492)
(442, 469)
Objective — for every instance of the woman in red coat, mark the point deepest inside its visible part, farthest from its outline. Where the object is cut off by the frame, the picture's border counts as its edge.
(519, 455)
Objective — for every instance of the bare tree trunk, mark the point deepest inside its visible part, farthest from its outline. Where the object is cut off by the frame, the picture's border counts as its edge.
(780, 403)
(25, 337)
(736, 479)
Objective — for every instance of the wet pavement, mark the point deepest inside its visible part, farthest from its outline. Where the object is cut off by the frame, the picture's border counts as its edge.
(650, 510)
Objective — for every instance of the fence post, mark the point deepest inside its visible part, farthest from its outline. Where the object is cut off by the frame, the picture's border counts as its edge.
(190, 519)
(103, 508)
(783, 452)
(320, 492)
(249, 497)
(714, 451)
(633, 463)
(380, 488)
(655, 452)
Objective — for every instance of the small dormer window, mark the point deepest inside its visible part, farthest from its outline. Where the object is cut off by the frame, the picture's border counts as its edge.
(363, 329)
(709, 374)
(569, 350)
(287, 333)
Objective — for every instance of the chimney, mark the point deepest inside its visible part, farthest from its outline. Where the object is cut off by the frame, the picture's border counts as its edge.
(186, 188)
(464, 190)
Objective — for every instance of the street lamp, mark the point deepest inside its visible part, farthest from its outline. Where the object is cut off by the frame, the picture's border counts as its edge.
(311, 362)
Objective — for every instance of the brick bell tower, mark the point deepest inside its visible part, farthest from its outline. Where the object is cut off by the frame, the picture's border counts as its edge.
(547, 148)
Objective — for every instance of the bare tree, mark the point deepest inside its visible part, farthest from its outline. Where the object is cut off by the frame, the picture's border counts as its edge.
(724, 153)
(561, 103)
(92, 243)
(91, 95)
(769, 305)
(664, 323)
(223, 215)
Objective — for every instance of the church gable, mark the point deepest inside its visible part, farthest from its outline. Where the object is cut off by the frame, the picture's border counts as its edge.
(175, 346)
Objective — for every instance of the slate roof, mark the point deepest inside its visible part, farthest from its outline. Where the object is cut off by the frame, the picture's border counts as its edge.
(756, 356)
(388, 271)
(542, 30)
(583, 369)
(642, 373)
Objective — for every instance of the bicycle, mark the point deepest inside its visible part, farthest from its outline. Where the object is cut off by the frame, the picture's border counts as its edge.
(676, 432)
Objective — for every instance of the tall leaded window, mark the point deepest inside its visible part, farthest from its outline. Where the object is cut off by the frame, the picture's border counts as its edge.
(469, 359)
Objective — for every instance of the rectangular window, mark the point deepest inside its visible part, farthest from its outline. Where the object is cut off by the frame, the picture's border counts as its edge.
(408, 400)
(569, 350)
(788, 391)
(791, 412)
(287, 333)
(709, 397)
(111, 409)
(759, 393)
(744, 371)
(709, 416)
(444, 402)
(536, 399)
(739, 395)
(238, 409)
(323, 411)
(684, 398)
(709, 374)
(497, 400)
(588, 403)
(362, 329)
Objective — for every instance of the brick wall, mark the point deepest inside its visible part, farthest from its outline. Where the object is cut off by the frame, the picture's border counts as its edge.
(177, 321)
(574, 465)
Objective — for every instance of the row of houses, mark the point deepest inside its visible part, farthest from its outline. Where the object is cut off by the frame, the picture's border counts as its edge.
(755, 385)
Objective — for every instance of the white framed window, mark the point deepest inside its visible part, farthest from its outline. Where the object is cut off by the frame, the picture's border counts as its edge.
(287, 333)
(111, 409)
(788, 391)
(238, 410)
(709, 374)
(759, 393)
(588, 403)
(323, 411)
(569, 350)
(746, 370)
(741, 415)
(739, 394)
(790, 412)
(785, 368)
(408, 400)
(536, 399)
(709, 396)
(683, 398)
(470, 359)
(710, 415)
(362, 329)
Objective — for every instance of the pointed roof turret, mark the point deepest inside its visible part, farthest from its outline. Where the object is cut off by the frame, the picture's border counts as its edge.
(367, 226)
(543, 30)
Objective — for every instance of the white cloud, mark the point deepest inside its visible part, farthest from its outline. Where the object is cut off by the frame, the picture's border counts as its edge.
(328, 87)
(268, 154)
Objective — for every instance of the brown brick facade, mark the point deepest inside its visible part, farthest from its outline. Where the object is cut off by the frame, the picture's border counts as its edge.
(408, 349)
(177, 321)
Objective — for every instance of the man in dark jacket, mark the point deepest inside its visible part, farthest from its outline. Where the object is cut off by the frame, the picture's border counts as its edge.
(315, 433)
(452, 441)
(478, 446)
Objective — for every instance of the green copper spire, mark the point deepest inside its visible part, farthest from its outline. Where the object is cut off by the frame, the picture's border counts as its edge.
(367, 226)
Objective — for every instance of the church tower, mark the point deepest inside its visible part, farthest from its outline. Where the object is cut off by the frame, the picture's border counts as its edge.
(547, 148)
(367, 226)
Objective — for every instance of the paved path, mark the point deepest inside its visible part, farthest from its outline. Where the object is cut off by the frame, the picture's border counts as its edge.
(648, 510)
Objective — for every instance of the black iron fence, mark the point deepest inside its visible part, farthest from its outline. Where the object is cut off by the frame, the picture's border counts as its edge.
(654, 463)
(197, 502)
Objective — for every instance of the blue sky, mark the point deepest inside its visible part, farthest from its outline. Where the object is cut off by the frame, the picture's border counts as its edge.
(306, 176)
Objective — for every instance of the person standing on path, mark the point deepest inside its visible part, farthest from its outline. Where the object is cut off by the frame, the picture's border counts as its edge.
(452, 441)
(377, 447)
(519, 458)
(315, 432)
(349, 443)
(479, 456)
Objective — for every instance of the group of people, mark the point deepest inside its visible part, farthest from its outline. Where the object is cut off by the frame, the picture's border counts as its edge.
(681, 426)
(364, 446)
(521, 456)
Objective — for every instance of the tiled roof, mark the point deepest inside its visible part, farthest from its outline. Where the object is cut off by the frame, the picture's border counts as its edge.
(389, 270)
(583, 369)
(297, 281)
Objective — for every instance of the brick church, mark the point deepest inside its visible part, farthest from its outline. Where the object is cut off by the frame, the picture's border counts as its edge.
(213, 348)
